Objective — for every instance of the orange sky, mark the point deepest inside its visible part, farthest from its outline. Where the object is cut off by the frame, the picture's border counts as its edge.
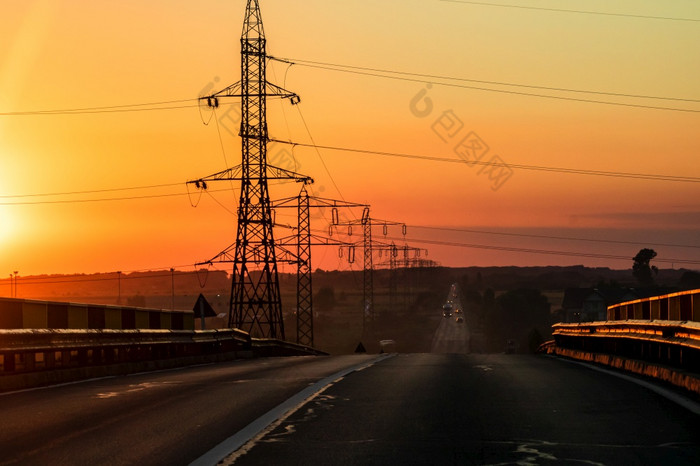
(59, 55)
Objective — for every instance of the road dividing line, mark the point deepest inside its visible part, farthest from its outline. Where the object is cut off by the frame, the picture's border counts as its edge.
(262, 424)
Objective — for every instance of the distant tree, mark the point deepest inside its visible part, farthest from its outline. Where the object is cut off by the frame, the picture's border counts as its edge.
(515, 315)
(534, 340)
(138, 300)
(324, 300)
(471, 298)
(611, 285)
(690, 280)
(642, 269)
(489, 299)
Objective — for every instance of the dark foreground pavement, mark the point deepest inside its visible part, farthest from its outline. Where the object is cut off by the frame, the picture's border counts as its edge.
(435, 409)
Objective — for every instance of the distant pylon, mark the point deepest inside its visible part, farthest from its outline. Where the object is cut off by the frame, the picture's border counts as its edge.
(368, 269)
(303, 240)
(255, 304)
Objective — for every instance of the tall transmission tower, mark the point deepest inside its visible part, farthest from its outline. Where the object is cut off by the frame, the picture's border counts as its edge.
(255, 304)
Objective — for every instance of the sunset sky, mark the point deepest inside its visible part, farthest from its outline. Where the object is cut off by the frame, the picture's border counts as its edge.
(519, 68)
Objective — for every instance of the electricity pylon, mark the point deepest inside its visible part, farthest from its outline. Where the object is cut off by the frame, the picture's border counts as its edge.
(303, 240)
(255, 304)
(394, 254)
(368, 246)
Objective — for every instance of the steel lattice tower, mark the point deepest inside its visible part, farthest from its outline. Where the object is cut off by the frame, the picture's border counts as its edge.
(368, 273)
(305, 313)
(255, 299)
(255, 304)
(303, 240)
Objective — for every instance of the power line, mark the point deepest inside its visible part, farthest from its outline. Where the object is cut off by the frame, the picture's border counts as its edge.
(112, 108)
(400, 77)
(560, 10)
(575, 171)
(543, 251)
(92, 191)
(109, 109)
(105, 199)
(296, 61)
(37, 280)
(536, 250)
(80, 201)
(565, 238)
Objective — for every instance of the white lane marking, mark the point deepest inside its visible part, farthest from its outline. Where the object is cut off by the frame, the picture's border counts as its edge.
(134, 388)
(680, 400)
(76, 382)
(287, 408)
(46, 387)
(170, 369)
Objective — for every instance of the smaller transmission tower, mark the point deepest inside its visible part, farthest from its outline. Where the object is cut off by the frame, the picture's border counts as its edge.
(368, 248)
(304, 240)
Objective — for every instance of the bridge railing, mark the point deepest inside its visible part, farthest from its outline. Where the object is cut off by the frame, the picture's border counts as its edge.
(30, 350)
(666, 350)
(679, 306)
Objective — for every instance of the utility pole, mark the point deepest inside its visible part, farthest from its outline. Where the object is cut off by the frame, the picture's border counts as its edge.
(119, 287)
(172, 281)
(255, 305)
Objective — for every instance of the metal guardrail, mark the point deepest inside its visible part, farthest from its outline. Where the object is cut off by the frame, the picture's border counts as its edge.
(264, 347)
(676, 332)
(32, 350)
(679, 306)
(665, 350)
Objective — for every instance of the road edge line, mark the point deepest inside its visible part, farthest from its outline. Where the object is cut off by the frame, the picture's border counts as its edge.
(284, 409)
(685, 402)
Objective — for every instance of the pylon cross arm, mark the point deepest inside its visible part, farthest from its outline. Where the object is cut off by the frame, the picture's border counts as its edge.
(235, 90)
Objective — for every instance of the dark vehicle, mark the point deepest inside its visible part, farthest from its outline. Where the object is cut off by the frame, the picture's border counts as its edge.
(459, 320)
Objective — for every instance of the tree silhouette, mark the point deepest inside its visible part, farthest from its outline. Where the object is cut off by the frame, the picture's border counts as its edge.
(642, 270)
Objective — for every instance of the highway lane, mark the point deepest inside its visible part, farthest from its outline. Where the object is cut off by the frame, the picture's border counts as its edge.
(449, 409)
(160, 418)
(451, 336)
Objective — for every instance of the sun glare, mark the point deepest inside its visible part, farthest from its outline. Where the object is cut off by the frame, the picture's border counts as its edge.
(7, 225)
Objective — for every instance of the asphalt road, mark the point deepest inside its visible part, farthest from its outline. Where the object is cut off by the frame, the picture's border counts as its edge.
(160, 418)
(451, 336)
(417, 409)
(438, 409)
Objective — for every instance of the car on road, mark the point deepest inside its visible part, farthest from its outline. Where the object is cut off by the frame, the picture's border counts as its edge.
(459, 320)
